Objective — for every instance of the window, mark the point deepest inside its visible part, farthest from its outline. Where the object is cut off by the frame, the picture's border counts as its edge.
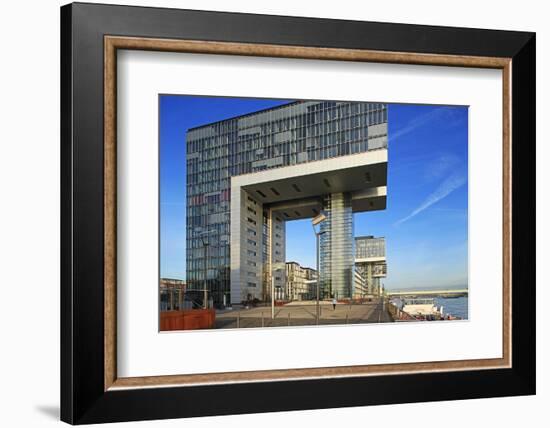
(251, 284)
(251, 253)
(251, 242)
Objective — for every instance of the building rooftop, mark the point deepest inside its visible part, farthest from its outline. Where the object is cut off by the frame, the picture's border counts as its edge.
(246, 115)
(272, 109)
(296, 263)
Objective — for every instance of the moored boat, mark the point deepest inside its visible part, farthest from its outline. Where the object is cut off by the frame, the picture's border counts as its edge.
(423, 309)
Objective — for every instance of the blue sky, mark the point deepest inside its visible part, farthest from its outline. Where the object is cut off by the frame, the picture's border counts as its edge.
(426, 219)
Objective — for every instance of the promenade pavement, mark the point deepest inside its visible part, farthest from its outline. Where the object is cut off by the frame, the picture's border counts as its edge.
(297, 314)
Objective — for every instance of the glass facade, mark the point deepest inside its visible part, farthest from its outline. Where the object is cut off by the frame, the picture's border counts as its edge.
(295, 133)
(369, 246)
(336, 247)
(370, 261)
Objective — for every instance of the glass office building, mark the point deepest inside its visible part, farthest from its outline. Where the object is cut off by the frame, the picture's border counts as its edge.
(336, 247)
(367, 247)
(370, 262)
(302, 132)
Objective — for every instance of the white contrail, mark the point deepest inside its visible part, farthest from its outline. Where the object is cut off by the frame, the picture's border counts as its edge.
(449, 185)
(417, 122)
(448, 113)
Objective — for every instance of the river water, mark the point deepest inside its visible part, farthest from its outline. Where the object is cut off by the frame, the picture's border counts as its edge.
(457, 306)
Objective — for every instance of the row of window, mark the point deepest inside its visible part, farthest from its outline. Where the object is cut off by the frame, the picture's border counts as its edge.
(260, 148)
(324, 147)
(222, 146)
(370, 247)
(284, 118)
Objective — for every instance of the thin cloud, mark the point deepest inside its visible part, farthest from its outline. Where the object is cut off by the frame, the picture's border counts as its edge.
(416, 123)
(444, 164)
(449, 113)
(449, 185)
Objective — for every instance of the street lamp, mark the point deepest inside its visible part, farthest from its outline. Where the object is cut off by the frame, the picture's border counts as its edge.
(316, 224)
(204, 239)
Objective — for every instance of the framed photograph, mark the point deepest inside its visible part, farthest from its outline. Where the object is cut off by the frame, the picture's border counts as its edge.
(267, 213)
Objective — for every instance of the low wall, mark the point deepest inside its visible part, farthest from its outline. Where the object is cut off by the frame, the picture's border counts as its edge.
(397, 314)
(187, 320)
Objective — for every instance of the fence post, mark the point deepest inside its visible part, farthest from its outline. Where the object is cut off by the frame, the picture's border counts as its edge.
(289, 318)
(318, 316)
(262, 319)
(346, 318)
(238, 319)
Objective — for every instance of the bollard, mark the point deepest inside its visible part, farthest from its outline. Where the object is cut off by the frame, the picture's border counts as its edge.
(346, 318)
(262, 319)
(289, 318)
(238, 319)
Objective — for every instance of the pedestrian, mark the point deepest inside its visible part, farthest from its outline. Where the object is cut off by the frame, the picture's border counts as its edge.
(334, 301)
